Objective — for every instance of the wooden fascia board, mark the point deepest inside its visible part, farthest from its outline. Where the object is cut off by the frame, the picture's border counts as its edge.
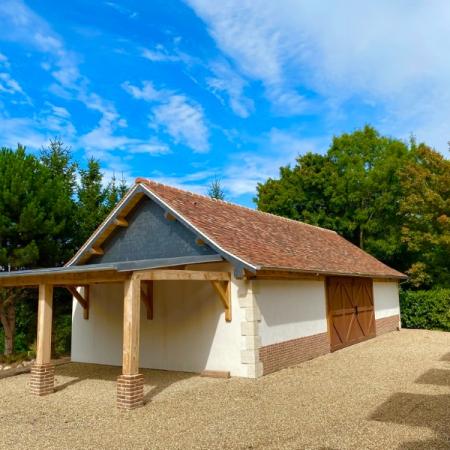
(63, 279)
(186, 275)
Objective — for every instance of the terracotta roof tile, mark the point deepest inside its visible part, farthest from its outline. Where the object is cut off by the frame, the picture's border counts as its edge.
(268, 241)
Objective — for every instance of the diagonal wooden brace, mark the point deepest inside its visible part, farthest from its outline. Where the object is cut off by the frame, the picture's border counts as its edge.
(223, 289)
(147, 297)
(83, 300)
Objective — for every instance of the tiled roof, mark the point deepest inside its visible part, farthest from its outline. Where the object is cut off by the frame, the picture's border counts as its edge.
(267, 241)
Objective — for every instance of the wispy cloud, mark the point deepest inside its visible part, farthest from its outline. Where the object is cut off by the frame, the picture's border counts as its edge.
(388, 55)
(182, 118)
(123, 10)
(229, 87)
(160, 54)
(276, 148)
(242, 171)
(107, 136)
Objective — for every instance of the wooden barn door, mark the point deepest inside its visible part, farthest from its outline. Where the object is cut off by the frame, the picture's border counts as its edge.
(350, 310)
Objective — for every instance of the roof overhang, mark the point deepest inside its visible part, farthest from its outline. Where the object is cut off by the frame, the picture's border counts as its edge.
(96, 273)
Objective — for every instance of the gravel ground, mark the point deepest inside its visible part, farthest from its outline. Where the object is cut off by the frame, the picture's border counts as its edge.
(392, 392)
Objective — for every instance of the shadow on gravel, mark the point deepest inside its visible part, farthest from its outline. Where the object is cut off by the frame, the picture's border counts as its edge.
(439, 377)
(157, 380)
(418, 410)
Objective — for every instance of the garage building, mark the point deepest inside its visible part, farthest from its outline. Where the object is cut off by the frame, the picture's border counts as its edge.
(178, 281)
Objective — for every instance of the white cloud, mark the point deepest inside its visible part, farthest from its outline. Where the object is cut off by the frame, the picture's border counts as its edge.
(391, 55)
(35, 131)
(28, 28)
(21, 24)
(276, 149)
(159, 54)
(122, 10)
(8, 85)
(105, 137)
(179, 116)
(147, 92)
(184, 121)
(228, 82)
(244, 170)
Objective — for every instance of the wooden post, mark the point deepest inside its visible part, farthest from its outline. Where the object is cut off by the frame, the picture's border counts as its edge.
(43, 372)
(130, 385)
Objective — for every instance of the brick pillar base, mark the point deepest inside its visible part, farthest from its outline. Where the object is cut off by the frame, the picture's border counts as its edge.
(42, 380)
(130, 391)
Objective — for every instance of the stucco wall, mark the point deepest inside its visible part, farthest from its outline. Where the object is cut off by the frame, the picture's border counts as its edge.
(290, 309)
(386, 299)
(188, 332)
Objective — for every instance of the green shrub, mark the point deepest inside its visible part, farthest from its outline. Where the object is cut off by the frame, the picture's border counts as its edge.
(429, 310)
(62, 334)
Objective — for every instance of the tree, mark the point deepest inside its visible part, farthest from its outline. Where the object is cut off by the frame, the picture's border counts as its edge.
(91, 200)
(354, 189)
(114, 192)
(215, 190)
(425, 213)
(33, 225)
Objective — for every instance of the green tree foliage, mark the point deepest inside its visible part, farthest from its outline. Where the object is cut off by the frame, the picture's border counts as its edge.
(35, 210)
(215, 190)
(425, 212)
(115, 190)
(390, 198)
(92, 199)
(354, 189)
(44, 217)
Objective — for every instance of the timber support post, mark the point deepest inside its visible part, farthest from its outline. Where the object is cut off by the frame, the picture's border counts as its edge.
(43, 371)
(130, 385)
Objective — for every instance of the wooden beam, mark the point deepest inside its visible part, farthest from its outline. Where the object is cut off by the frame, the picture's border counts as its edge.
(193, 275)
(223, 289)
(44, 325)
(170, 217)
(121, 222)
(147, 297)
(283, 275)
(83, 299)
(64, 279)
(131, 325)
(96, 251)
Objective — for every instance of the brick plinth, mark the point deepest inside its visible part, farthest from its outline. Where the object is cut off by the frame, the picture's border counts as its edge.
(387, 324)
(289, 353)
(42, 381)
(130, 391)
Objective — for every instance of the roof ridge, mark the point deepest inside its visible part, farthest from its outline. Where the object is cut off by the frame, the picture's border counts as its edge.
(195, 194)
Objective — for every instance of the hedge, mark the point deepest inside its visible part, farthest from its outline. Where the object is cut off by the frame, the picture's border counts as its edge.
(429, 310)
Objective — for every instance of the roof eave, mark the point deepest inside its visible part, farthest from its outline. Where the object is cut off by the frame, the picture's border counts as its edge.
(331, 273)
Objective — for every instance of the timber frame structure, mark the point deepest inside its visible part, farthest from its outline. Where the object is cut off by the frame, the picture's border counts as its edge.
(138, 287)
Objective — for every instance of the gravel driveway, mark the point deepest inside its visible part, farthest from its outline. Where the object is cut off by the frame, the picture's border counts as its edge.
(392, 392)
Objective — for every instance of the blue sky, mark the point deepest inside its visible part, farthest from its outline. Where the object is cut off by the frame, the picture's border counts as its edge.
(185, 92)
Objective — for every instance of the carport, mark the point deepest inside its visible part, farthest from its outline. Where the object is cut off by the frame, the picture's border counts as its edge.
(137, 279)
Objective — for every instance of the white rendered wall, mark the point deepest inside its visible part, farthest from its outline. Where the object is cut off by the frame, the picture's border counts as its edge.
(386, 299)
(290, 309)
(188, 332)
